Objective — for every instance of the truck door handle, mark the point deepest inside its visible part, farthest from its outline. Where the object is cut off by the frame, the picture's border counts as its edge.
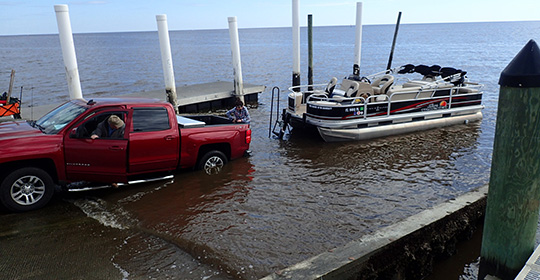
(169, 137)
(116, 148)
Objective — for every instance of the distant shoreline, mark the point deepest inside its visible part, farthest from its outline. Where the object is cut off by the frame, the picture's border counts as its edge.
(277, 27)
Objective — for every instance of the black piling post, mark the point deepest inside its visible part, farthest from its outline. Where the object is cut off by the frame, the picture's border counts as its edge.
(296, 46)
(394, 42)
(310, 51)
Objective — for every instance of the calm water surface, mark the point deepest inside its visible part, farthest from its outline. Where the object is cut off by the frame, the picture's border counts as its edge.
(292, 199)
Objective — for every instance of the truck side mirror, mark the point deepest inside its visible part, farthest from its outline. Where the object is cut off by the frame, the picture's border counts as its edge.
(78, 132)
(73, 133)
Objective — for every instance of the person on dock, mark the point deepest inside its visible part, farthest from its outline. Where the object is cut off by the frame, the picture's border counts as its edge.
(112, 127)
(239, 114)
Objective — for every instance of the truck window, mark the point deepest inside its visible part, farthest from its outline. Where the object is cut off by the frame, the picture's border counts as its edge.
(55, 120)
(91, 124)
(150, 119)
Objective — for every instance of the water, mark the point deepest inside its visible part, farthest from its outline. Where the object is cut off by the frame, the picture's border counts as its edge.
(292, 199)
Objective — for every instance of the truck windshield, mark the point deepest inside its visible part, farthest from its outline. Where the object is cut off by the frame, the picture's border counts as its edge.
(55, 120)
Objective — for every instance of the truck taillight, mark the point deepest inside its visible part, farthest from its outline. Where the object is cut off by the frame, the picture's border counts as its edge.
(248, 136)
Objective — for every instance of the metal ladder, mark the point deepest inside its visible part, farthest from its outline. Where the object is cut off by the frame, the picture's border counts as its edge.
(282, 123)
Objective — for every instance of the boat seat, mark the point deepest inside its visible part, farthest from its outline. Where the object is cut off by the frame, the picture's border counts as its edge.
(403, 95)
(346, 84)
(399, 92)
(337, 92)
(350, 87)
(381, 84)
(337, 98)
(352, 90)
(416, 83)
(365, 90)
(465, 90)
(331, 86)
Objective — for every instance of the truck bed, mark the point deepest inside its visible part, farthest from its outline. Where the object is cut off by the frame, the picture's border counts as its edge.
(201, 120)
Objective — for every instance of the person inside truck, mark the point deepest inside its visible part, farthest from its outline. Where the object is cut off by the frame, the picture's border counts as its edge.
(112, 127)
(239, 114)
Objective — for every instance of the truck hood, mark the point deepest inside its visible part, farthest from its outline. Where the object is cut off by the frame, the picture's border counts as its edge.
(17, 129)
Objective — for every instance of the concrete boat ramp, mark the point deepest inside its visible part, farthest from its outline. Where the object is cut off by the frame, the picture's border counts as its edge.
(405, 250)
(191, 98)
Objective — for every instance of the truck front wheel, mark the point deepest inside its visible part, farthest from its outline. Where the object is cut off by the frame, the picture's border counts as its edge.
(212, 162)
(26, 189)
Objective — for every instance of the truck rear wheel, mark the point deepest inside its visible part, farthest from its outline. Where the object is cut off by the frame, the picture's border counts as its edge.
(26, 189)
(212, 162)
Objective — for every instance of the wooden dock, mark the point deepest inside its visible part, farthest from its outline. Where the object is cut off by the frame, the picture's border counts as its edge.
(207, 97)
(191, 99)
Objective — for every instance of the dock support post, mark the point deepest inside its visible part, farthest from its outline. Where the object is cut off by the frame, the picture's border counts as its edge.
(68, 51)
(514, 190)
(10, 89)
(166, 60)
(296, 45)
(237, 65)
(358, 40)
(310, 51)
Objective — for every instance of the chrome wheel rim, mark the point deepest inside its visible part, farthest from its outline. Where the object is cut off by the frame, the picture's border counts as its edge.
(27, 190)
(213, 165)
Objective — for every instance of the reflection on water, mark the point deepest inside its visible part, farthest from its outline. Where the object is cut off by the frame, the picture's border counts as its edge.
(144, 213)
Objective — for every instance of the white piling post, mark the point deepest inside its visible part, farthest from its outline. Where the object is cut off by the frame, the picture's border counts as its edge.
(237, 65)
(68, 51)
(166, 60)
(296, 44)
(358, 40)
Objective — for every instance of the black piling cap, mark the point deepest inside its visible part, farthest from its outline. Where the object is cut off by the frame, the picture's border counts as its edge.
(524, 69)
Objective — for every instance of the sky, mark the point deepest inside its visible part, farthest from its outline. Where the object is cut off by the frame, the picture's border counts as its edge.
(20, 17)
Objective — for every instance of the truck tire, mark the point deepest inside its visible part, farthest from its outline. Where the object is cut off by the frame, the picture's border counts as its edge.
(212, 162)
(26, 189)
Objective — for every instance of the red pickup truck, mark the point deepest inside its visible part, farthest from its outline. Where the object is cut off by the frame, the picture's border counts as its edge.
(57, 149)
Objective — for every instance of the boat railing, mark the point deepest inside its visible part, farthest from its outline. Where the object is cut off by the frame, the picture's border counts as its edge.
(414, 93)
(433, 88)
(382, 73)
(307, 88)
(338, 99)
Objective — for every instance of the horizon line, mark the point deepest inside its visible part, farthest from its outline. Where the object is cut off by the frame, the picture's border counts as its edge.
(272, 27)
